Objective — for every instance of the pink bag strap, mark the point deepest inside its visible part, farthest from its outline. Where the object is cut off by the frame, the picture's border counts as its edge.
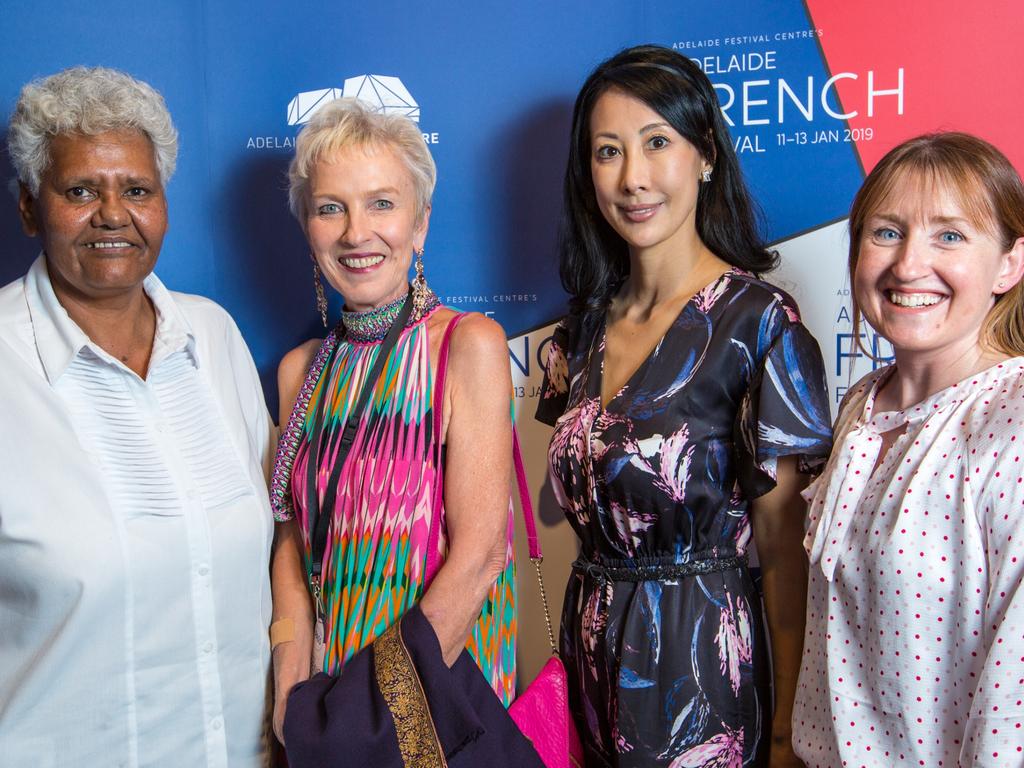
(529, 521)
(437, 504)
(532, 541)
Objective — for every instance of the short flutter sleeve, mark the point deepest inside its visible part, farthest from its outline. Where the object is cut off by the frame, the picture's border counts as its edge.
(554, 389)
(785, 410)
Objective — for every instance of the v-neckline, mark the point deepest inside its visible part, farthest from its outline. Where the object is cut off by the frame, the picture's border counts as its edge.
(595, 375)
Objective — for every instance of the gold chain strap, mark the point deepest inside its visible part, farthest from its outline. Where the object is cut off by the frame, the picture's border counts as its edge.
(544, 601)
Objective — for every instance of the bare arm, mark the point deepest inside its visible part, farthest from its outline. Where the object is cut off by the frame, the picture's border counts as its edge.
(477, 481)
(778, 524)
(287, 571)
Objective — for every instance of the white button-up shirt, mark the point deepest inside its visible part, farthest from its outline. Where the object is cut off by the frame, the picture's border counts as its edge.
(134, 540)
(914, 651)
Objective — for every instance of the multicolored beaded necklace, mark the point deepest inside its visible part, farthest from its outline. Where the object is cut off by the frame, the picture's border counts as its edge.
(373, 324)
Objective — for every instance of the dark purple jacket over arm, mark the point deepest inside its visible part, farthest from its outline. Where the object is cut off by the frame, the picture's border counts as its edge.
(375, 714)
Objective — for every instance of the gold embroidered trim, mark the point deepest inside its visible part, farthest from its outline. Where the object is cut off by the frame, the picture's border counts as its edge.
(400, 686)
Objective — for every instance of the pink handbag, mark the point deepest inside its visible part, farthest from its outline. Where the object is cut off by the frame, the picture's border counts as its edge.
(542, 710)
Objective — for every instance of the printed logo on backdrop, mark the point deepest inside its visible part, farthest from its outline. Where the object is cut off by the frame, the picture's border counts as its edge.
(385, 93)
(790, 118)
(528, 355)
(772, 103)
(477, 302)
(858, 354)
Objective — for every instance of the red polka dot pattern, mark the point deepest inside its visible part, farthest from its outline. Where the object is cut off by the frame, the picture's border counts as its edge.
(914, 651)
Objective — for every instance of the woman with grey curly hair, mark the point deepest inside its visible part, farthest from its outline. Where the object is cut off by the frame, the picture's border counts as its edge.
(135, 529)
(87, 101)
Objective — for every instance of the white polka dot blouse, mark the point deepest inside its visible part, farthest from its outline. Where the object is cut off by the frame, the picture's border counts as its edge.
(914, 650)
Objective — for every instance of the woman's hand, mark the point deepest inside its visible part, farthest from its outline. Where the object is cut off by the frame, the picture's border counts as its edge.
(477, 480)
(778, 523)
(279, 707)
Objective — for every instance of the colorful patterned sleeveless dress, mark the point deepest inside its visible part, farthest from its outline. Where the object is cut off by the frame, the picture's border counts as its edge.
(373, 566)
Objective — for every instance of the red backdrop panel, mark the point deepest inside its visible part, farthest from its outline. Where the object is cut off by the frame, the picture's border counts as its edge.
(963, 68)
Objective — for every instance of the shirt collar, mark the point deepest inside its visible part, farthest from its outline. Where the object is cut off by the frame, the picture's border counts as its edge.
(883, 421)
(59, 340)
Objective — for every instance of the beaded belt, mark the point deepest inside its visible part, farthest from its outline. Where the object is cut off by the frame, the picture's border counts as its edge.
(665, 572)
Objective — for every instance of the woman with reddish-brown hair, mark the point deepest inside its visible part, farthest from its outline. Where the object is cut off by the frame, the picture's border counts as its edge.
(913, 644)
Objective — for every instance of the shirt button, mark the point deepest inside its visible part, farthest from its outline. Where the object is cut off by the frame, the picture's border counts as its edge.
(217, 723)
(204, 570)
(207, 647)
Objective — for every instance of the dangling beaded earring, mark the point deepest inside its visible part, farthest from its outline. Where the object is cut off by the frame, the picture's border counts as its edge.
(318, 289)
(420, 292)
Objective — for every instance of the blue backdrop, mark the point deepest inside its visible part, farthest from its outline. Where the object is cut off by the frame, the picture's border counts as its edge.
(494, 83)
(810, 88)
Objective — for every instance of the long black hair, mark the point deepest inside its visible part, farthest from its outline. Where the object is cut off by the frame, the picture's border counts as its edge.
(594, 258)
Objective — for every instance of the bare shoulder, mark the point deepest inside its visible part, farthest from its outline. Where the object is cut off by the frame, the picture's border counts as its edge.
(291, 372)
(479, 336)
(480, 369)
(478, 355)
(479, 350)
(475, 334)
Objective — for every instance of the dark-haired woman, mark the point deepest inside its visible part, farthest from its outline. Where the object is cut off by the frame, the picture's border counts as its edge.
(688, 403)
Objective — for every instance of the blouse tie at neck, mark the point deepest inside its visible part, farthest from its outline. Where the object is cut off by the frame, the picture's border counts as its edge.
(833, 499)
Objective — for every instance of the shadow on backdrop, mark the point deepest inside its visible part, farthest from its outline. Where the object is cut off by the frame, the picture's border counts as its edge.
(266, 260)
(531, 155)
(19, 250)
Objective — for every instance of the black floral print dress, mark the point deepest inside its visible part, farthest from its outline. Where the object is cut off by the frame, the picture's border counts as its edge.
(662, 630)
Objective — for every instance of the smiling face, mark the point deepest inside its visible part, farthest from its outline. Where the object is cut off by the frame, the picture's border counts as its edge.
(927, 272)
(362, 224)
(100, 213)
(645, 174)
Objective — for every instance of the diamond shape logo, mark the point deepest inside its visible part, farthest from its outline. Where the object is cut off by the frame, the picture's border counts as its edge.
(387, 94)
(305, 105)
